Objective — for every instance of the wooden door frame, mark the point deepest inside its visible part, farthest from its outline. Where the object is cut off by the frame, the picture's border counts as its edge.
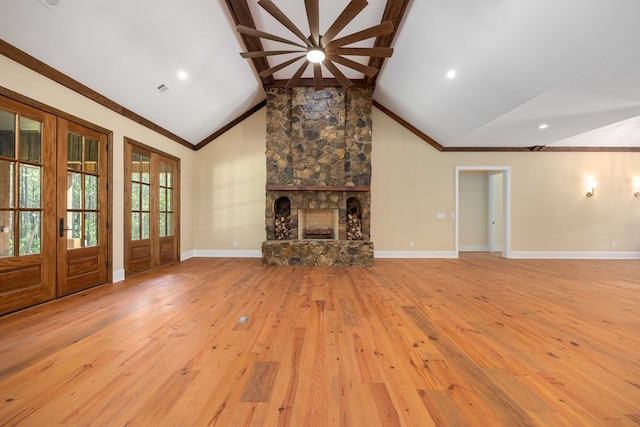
(58, 113)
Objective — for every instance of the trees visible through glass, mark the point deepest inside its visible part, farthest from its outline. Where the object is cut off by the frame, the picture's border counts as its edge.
(20, 185)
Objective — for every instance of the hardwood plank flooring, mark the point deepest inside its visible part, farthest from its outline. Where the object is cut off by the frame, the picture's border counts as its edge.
(475, 341)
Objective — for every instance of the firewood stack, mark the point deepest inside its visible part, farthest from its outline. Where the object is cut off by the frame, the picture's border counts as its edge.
(354, 227)
(282, 229)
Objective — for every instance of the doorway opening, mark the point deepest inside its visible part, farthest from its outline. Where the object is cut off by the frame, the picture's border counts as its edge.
(483, 209)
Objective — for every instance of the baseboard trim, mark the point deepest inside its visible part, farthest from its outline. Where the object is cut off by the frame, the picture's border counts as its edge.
(414, 254)
(574, 255)
(474, 248)
(214, 253)
(117, 276)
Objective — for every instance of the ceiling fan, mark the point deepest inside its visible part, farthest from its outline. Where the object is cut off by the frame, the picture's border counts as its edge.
(321, 49)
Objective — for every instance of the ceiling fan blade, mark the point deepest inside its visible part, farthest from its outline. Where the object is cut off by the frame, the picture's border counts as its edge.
(375, 31)
(313, 16)
(345, 82)
(362, 51)
(317, 77)
(278, 67)
(369, 71)
(262, 53)
(353, 8)
(274, 11)
(296, 77)
(257, 33)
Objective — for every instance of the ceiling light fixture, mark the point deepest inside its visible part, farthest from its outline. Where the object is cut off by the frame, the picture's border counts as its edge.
(323, 51)
(543, 126)
(315, 55)
(182, 75)
(451, 74)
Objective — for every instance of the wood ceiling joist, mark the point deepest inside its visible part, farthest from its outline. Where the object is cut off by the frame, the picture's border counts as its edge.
(241, 15)
(394, 11)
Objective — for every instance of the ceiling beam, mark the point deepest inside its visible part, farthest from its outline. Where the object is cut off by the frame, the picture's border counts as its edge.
(241, 15)
(394, 11)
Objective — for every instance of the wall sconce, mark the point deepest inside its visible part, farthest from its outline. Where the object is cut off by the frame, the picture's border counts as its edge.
(636, 187)
(590, 185)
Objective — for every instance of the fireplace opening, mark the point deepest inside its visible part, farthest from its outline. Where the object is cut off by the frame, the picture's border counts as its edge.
(354, 219)
(282, 225)
(318, 223)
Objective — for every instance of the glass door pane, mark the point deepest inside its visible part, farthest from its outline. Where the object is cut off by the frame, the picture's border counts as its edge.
(82, 191)
(21, 192)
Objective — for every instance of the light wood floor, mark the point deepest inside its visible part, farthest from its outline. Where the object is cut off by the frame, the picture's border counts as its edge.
(477, 341)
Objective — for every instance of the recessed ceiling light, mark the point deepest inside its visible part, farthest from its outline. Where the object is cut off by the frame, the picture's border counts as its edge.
(543, 126)
(182, 75)
(451, 74)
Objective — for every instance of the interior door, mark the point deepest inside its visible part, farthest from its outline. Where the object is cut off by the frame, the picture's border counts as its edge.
(495, 211)
(27, 209)
(82, 208)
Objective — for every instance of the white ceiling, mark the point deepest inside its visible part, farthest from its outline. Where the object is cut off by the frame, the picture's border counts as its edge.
(573, 64)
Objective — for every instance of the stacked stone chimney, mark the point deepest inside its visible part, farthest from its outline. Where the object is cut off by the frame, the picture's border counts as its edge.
(318, 155)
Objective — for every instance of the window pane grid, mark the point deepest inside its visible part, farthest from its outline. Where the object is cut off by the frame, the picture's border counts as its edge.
(140, 196)
(82, 191)
(165, 193)
(20, 185)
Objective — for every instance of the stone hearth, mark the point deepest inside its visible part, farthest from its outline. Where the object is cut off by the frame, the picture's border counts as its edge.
(318, 158)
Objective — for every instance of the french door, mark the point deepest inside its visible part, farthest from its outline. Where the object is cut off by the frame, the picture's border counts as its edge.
(152, 207)
(53, 206)
(82, 208)
(27, 206)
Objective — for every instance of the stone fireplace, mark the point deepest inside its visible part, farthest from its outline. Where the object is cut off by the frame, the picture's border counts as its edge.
(318, 195)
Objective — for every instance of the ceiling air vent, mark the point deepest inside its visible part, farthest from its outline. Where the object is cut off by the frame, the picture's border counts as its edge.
(163, 89)
(51, 3)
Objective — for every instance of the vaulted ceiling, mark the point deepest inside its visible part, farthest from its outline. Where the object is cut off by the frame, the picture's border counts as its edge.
(570, 64)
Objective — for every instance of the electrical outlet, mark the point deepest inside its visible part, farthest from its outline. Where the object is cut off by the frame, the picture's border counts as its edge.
(613, 245)
(235, 243)
(410, 244)
(440, 215)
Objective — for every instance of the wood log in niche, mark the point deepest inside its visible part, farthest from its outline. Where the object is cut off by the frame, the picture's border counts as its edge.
(282, 229)
(354, 227)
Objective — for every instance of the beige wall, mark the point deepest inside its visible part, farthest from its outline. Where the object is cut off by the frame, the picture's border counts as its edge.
(223, 192)
(549, 209)
(473, 211)
(19, 79)
(412, 182)
(229, 179)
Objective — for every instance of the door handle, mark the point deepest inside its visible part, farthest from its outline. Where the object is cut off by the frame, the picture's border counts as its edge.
(62, 227)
